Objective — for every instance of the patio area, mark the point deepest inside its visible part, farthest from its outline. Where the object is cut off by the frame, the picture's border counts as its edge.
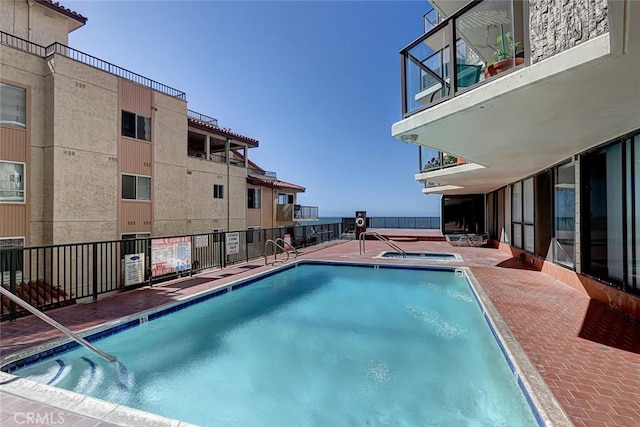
(588, 355)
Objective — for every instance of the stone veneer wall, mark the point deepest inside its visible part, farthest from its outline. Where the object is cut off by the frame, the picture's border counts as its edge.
(557, 25)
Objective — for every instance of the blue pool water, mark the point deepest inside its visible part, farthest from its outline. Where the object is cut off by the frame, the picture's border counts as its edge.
(311, 345)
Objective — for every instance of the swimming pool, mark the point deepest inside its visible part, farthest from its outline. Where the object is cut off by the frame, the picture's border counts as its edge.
(426, 256)
(314, 344)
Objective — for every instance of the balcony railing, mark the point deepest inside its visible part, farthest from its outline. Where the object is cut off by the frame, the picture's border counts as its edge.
(431, 19)
(197, 116)
(442, 161)
(305, 212)
(289, 212)
(92, 61)
(487, 42)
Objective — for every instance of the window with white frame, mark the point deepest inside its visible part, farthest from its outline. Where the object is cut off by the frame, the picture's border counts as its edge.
(218, 191)
(12, 182)
(136, 187)
(13, 105)
(253, 198)
(135, 126)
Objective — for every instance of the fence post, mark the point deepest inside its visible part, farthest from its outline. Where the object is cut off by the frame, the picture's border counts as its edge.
(13, 260)
(223, 250)
(95, 271)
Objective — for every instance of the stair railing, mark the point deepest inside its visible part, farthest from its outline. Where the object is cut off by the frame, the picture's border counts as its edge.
(276, 246)
(362, 239)
(40, 315)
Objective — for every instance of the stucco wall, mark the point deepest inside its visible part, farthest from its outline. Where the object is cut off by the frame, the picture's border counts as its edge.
(557, 25)
(85, 139)
(47, 26)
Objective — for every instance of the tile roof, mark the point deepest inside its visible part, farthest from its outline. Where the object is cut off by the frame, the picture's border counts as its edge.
(274, 183)
(222, 131)
(63, 10)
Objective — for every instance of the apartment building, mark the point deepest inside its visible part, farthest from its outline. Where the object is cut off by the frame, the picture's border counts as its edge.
(90, 151)
(527, 119)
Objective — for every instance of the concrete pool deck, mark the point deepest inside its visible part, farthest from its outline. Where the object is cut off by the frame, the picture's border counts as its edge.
(587, 354)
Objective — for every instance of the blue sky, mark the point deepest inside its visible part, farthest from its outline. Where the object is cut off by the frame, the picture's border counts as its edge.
(316, 82)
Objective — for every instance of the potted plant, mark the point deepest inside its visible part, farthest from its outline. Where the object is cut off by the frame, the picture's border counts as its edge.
(505, 50)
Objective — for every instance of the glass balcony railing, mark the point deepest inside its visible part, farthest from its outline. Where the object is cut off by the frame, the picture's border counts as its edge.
(439, 161)
(475, 44)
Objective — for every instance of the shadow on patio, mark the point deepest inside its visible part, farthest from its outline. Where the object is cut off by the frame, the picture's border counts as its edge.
(605, 326)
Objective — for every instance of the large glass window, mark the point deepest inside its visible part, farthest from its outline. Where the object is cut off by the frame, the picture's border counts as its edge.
(516, 213)
(609, 215)
(134, 126)
(136, 187)
(253, 198)
(522, 215)
(13, 105)
(12, 182)
(564, 194)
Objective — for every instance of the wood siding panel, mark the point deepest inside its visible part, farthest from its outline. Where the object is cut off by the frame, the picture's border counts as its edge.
(13, 147)
(14, 220)
(135, 98)
(136, 157)
(135, 217)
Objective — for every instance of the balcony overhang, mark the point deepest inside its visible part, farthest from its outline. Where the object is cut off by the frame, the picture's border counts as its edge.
(536, 116)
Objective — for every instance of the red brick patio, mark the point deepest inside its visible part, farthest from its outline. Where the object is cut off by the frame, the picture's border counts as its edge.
(588, 354)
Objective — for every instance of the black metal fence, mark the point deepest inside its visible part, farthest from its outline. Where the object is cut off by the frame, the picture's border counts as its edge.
(57, 275)
(422, 222)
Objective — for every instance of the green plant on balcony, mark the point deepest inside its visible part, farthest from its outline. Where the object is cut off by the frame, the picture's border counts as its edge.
(505, 51)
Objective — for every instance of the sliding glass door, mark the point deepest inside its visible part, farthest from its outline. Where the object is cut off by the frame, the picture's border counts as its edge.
(610, 224)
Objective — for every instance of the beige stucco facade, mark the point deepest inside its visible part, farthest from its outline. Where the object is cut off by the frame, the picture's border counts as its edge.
(76, 151)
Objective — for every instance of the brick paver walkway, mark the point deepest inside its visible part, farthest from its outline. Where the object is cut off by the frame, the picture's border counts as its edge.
(588, 354)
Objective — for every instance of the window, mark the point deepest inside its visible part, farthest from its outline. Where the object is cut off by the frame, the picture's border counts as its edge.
(218, 191)
(564, 189)
(135, 126)
(13, 105)
(136, 187)
(609, 212)
(522, 215)
(11, 182)
(253, 199)
(285, 199)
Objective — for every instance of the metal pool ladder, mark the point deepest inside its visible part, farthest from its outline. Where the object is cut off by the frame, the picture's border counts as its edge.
(288, 247)
(362, 239)
(276, 246)
(40, 315)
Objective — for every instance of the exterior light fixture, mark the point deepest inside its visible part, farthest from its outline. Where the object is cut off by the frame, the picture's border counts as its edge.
(409, 138)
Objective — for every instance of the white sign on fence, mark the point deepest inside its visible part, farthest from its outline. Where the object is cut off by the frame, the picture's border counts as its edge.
(133, 269)
(233, 243)
(169, 255)
(202, 241)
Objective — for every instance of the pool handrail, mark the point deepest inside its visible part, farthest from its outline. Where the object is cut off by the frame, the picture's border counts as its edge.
(275, 252)
(77, 338)
(362, 238)
(287, 247)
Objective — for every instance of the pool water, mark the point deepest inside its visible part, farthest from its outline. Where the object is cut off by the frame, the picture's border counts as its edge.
(311, 345)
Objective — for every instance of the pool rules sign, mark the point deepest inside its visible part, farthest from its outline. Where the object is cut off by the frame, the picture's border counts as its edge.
(232, 241)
